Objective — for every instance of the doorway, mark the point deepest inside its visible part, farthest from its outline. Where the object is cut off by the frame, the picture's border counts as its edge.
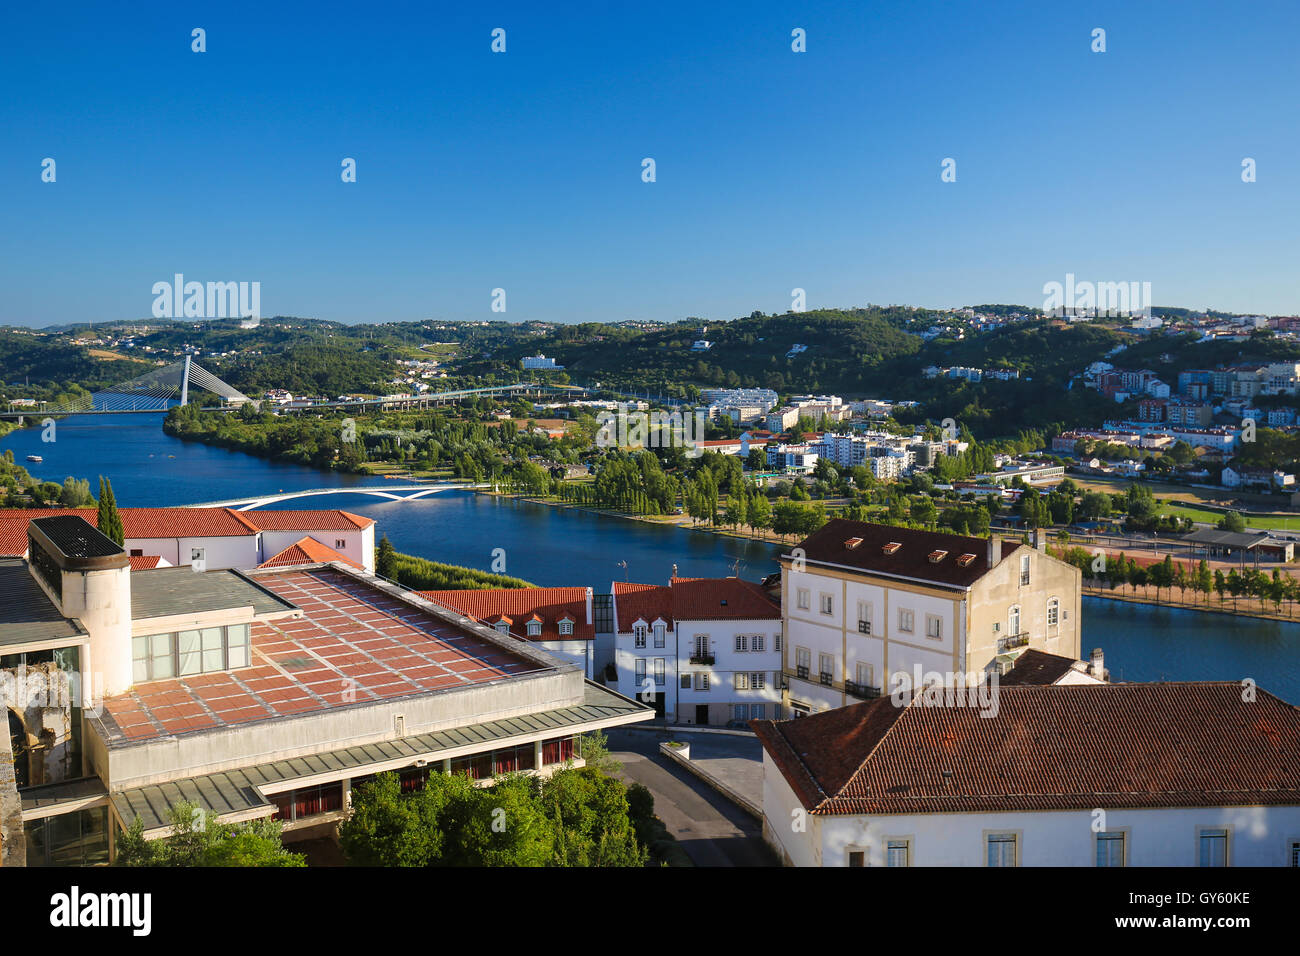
(702, 714)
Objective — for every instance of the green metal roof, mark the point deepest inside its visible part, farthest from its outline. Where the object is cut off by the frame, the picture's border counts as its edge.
(27, 615)
(235, 791)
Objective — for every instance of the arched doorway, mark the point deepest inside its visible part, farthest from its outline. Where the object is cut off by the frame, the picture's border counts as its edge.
(21, 750)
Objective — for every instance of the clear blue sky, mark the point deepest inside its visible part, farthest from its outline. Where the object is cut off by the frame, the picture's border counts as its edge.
(776, 170)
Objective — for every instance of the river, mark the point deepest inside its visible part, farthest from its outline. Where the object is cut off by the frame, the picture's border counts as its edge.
(551, 546)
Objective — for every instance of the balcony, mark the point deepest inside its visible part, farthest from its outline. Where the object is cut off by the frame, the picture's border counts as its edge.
(701, 658)
(801, 671)
(1012, 641)
(861, 691)
(828, 680)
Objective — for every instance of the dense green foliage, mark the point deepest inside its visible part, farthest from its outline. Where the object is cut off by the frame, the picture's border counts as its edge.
(576, 817)
(197, 840)
(109, 519)
(420, 574)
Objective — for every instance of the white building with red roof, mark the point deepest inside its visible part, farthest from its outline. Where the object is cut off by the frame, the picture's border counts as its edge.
(556, 619)
(703, 651)
(215, 538)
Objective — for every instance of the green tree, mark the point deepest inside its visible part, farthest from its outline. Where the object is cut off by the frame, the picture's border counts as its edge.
(1233, 521)
(195, 839)
(386, 559)
(109, 519)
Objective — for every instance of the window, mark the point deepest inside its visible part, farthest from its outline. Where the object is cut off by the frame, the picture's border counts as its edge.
(740, 711)
(758, 642)
(1024, 570)
(137, 552)
(702, 680)
(185, 653)
(857, 858)
(659, 634)
(640, 673)
(827, 604)
(906, 620)
(898, 853)
(566, 627)
(1110, 848)
(660, 677)
(826, 667)
(1053, 612)
(196, 555)
(742, 680)
(934, 627)
(685, 683)
(1002, 849)
(803, 599)
(864, 617)
(866, 674)
(757, 711)
(802, 661)
(638, 635)
(742, 642)
(702, 647)
(757, 680)
(1013, 620)
(534, 628)
(1214, 847)
(1293, 853)
(340, 544)
(503, 627)
(776, 641)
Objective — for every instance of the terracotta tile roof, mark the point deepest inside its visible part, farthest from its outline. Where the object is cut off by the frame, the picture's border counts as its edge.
(633, 602)
(692, 599)
(1059, 747)
(517, 606)
(139, 523)
(353, 644)
(306, 520)
(144, 562)
(306, 551)
(1037, 667)
(872, 553)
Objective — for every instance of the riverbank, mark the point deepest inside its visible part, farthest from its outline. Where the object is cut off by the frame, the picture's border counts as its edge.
(1262, 614)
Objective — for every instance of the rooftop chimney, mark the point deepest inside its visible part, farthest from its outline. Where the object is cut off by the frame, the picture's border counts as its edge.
(995, 551)
(1040, 543)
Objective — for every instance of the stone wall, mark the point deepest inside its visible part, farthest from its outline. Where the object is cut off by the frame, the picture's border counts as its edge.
(13, 843)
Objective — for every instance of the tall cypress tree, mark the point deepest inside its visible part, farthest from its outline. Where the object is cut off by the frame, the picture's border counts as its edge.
(109, 518)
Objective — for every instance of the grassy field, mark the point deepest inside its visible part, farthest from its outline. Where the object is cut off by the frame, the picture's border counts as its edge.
(1213, 517)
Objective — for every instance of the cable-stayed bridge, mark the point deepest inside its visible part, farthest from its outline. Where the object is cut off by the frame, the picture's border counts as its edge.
(156, 391)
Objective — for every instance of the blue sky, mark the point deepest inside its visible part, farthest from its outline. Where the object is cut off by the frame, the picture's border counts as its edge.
(522, 170)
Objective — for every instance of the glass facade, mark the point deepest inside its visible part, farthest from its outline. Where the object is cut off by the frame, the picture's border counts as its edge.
(71, 839)
(184, 653)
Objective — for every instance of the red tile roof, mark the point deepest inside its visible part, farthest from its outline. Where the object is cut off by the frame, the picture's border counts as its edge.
(306, 520)
(144, 562)
(692, 599)
(517, 606)
(141, 523)
(353, 644)
(1057, 747)
(1037, 667)
(306, 551)
(874, 552)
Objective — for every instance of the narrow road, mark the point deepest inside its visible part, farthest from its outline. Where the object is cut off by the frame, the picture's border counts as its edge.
(710, 828)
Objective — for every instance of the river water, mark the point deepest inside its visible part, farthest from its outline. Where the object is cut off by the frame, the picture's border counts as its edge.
(551, 546)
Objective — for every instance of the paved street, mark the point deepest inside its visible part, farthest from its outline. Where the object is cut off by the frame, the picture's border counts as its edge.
(711, 829)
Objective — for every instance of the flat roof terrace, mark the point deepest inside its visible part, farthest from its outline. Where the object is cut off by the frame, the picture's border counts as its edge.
(355, 644)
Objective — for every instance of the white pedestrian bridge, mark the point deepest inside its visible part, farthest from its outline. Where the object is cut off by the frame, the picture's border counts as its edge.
(393, 492)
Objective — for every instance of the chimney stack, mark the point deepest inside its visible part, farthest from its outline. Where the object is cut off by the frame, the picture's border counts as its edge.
(670, 581)
(1040, 543)
(995, 551)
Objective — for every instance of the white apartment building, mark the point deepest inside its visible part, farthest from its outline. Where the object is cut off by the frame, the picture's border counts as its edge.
(1166, 774)
(703, 651)
(865, 602)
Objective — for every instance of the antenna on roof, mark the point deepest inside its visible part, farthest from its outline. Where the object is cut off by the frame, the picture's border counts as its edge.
(623, 565)
(735, 568)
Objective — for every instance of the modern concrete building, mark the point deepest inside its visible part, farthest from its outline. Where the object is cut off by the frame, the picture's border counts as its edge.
(863, 603)
(1087, 774)
(263, 693)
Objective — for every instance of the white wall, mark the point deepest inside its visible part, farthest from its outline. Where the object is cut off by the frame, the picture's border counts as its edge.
(233, 551)
(576, 652)
(358, 544)
(1258, 836)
